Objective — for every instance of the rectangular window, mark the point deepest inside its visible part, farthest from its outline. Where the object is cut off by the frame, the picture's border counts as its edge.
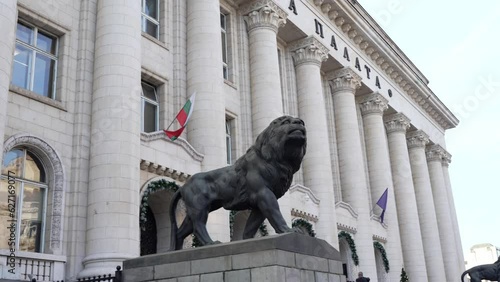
(229, 142)
(151, 17)
(149, 108)
(223, 30)
(35, 60)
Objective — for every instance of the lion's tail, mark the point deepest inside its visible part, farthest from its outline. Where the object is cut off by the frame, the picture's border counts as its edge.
(463, 275)
(173, 221)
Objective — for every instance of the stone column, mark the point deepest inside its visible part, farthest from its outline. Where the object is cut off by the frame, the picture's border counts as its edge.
(344, 83)
(416, 141)
(409, 224)
(206, 128)
(308, 55)
(8, 16)
(263, 19)
(441, 203)
(113, 198)
(456, 230)
(379, 167)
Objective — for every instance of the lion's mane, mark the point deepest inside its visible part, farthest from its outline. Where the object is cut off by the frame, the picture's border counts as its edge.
(276, 155)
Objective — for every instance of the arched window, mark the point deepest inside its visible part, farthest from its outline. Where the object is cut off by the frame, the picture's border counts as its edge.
(150, 108)
(23, 190)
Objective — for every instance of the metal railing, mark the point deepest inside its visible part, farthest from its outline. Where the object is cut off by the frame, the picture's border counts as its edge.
(117, 277)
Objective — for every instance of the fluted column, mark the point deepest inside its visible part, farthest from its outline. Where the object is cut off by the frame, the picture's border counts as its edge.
(263, 20)
(113, 201)
(409, 224)
(344, 84)
(456, 230)
(416, 141)
(379, 167)
(441, 203)
(206, 128)
(308, 55)
(8, 15)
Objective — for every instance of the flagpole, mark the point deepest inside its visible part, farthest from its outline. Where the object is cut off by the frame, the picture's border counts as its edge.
(172, 122)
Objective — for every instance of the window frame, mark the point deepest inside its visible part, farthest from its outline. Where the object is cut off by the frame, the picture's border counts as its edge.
(21, 181)
(145, 100)
(225, 54)
(33, 51)
(229, 142)
(145, 18)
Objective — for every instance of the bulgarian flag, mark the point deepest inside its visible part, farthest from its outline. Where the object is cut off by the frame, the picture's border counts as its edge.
(182, 117)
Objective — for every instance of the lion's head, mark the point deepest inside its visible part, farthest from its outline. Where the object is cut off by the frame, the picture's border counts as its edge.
(284, 140)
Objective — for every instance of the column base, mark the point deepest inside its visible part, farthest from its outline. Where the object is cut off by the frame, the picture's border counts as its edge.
(102, 264)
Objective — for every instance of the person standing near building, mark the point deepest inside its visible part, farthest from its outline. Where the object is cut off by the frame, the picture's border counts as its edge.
(361, 278)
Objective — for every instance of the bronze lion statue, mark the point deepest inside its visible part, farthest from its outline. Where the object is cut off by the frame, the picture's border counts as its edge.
(484, 272)
(255, 181)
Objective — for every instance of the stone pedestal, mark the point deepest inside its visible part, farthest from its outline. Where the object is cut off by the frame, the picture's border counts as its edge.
(284, 258)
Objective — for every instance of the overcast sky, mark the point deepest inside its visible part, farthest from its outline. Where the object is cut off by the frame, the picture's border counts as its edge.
(456, 45)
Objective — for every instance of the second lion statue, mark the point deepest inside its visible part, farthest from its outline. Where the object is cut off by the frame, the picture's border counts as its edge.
(255, 181)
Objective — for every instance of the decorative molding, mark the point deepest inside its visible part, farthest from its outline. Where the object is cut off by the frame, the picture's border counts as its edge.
(417, 139)
(340, 14)
(379, 238)
(346, 228)
(397, 122)
(308, 50)
(160, 135)
(434, 153)
(164, 171)
(373, 103)
(304, 215)
(305, 190)
(55, 170)
(264, 14)
(347, 207)
(344, 79)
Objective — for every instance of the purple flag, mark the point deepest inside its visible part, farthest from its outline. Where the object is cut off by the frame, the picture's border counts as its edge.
(382, 202)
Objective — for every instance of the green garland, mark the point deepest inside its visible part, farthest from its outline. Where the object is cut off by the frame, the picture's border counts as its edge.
(352, 246)
(302, 223)
(153, 187)
(379, 247)
(404, 277)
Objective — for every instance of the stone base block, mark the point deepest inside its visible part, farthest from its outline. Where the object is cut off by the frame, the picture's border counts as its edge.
(282, 258)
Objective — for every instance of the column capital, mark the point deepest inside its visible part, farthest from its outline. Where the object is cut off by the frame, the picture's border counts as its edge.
(446, 159)
(434, 153)
(344, 79)
(417, 138)
(264, 14)
(308, 51)
(373, 103)
(397, 122)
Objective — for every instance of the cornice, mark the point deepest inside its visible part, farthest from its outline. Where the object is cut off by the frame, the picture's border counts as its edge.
(163, 171)
(308, 51)
(373, 103)
(417, 139)
(181, 142)
(346, 228)
(305, 215)
(344, 79)
(434, 153)
(387, 56)
(380, 239)
(396, 123)
(263, 14)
